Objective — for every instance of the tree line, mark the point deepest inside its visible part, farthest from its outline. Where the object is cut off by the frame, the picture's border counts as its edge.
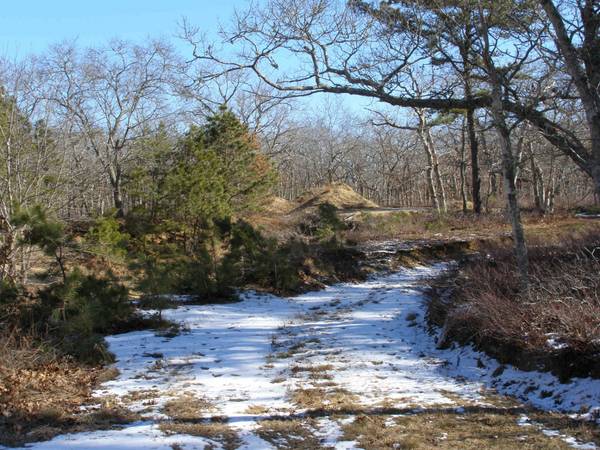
(475, 103)
(523, 62)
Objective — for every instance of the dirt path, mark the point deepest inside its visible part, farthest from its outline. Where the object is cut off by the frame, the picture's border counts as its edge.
(349, 367)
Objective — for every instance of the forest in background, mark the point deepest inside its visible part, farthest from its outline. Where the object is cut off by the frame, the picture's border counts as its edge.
(129, 169)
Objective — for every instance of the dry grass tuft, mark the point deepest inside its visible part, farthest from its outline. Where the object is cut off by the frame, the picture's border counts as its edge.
(332, 400)
(187, 407)
(319, 369)
(256, 410)
(339, 195)
(217, 431)
(446, 429)
(292, 434)
(277, 205)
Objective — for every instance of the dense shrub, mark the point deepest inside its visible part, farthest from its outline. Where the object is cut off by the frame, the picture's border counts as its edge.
(106, 238)
(41, 230)
(556, 324)
(196, 274)
(189, 191)
(249, 257)
(289, 266)
(282, 267)
(81, 310)
(324, 224)
(163, 268)
(89, 304)
(329, 225)
(73, 315)
(13, 306)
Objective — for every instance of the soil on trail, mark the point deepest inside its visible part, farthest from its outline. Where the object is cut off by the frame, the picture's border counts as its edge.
(352, 366)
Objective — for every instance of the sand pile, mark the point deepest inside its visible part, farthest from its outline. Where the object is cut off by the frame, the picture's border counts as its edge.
(278, 205)
(339, 195)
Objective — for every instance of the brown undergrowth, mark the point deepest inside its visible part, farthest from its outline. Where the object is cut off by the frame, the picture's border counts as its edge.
(193, 415)
(427, 225)
(44, 391)
(41, 394)
(476, 428)
(555, 326)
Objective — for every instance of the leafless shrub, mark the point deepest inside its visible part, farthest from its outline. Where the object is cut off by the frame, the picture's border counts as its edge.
(561, 312)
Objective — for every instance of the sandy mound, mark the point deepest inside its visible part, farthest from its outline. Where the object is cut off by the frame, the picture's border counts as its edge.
(339, 195)
(278, 205)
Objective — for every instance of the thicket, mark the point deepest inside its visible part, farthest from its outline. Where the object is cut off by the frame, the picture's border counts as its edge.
(74, 310)
(554, 326)
(186, 235)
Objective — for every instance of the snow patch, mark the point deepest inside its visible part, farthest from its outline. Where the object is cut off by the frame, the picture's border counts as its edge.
(373, 334)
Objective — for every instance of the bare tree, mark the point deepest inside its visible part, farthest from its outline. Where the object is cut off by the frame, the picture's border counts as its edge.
(301, 48)
(32, 162)
(432, 169)
(577, 38)
(113, 95)
(493, 49)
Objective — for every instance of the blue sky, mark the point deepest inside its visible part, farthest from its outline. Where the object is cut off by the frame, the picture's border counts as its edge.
(28, 26)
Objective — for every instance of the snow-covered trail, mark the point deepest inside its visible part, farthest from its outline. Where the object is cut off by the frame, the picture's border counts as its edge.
(253, 369)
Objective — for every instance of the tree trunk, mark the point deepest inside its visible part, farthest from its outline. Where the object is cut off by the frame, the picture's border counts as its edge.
(465, 50)
(508, 159)
(508, 164)
(463, 191)
(436, 173)
(595, 170)
(7, 251)
(115, 182)
(434, 180)
(475, 177)
(535, 182)
(118, 200)
(431, 186)
(463, 169)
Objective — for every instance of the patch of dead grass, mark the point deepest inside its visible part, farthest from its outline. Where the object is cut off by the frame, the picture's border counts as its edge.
(144, 395)
(446, 429)
(187, 407)
(216, 430)
(292, 434)
(332, 400)
(49, 422)
(256, 409)
(583, 431)
(318, 369)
